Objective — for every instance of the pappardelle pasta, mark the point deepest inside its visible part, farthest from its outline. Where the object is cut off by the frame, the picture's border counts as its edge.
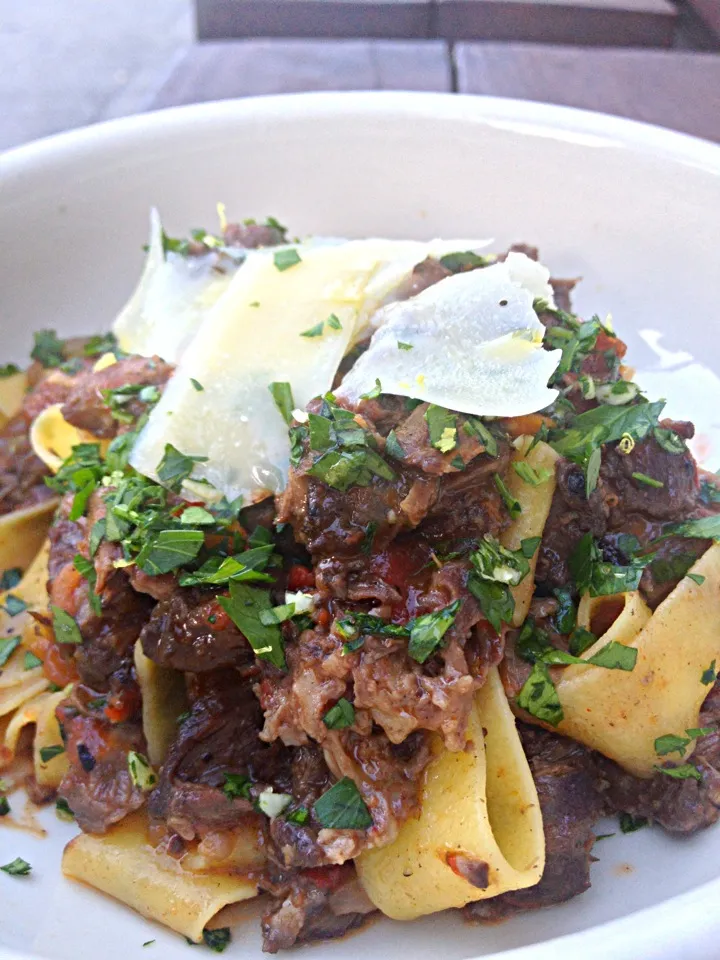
(359, 576)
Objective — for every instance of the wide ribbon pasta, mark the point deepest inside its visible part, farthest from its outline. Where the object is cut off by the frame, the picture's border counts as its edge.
(480, 829)
(18, 684)
(535, 500)
(163, 700)
(124, 864)
(621, 713)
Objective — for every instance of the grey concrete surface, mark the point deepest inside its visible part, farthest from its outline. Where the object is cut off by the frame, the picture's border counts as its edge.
(67, 63)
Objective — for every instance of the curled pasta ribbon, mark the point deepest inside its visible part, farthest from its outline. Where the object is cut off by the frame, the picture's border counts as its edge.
(480, 829)
(125, 865)
(163, 700)
(535, 501)
(621, 713)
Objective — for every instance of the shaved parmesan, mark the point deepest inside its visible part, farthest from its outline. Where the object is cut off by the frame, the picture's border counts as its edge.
(171, 300)
(476, 344)
(250, 339)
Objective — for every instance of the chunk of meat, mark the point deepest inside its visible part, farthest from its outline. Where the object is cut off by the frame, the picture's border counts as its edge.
(413, 435)
(390, 688)
(218, 737)
(296, 844)
(468, 503)
(253, 235)
(572, 515)
(108, 637)
(680, 806)
(98, 786)
(625, 495)
(333, 522)
(85, 406)
(190, 631)
(317, 904)
(565, 779)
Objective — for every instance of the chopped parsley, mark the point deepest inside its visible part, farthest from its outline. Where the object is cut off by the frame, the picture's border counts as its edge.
(14, 605)
(342, 808)
(284, 259)
(671, 743)
(176, 467)
(648, 481)
(475, 427)
(48, 349)
(428, 630)
(442, 428)
(404, 346)
(705, 528)
(513, 505)
(31, 661)
(197, 385)
(169, 549)
(8, 370)
(49, 753)
(64, 626)
(393, 447)
(10, 578)
(86, 569)
(334, 322)
(348, 452)
(8, 646)
(217, 939)
(424, 633)
(374, 392)
(100, 344)
(244, 606)
(281, 392)
(709, 676)
(534, 646)
(495, 570)
(141, 773)
(686, 771)
(600, 578)
(4, 806)
(340, 716)
(530, 475)
(629, 823)
(456, 262)
(17, 868)
(539, 696)
(315, 331)
(237, 785)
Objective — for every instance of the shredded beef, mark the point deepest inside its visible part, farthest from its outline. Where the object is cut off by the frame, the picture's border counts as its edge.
(571, 516)
(253, 235)
(565, 778)
(98, 786)
(86, 408)
(680, 806)
(219, 736)
(108, 637)
(319, 904)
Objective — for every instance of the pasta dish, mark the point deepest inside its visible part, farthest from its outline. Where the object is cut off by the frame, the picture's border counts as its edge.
(357, 575)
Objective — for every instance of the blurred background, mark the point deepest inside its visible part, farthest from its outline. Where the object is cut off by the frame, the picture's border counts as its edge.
(67, 63)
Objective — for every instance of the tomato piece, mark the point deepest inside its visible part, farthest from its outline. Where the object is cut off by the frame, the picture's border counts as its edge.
(300, 577)
(326, 878)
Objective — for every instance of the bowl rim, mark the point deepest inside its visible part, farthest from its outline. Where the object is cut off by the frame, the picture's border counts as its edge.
(654, 930)
(571, 124)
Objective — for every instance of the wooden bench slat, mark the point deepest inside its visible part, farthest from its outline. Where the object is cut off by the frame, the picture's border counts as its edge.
(670, 88)
(217, 71)
(595, 22)
(384, 19)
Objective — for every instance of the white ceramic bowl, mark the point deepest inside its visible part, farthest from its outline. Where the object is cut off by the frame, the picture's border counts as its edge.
(633, 209)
